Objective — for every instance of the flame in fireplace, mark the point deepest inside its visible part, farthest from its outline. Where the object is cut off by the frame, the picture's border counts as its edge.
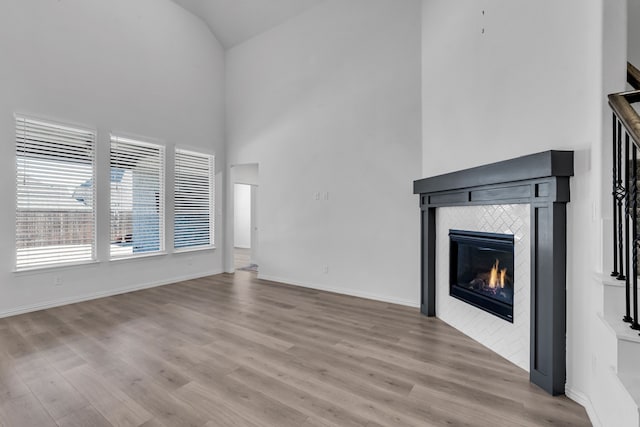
(497, 277)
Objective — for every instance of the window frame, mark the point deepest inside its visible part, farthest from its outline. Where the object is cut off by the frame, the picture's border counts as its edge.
(211, 158)
(162, 194)
(71, 128)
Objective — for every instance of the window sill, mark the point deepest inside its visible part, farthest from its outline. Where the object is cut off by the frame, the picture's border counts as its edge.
(134, 257)
(49, 268)
(194, 249)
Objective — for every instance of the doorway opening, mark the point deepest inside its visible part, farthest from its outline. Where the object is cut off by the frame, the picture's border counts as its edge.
(242, 247)
(242, 228)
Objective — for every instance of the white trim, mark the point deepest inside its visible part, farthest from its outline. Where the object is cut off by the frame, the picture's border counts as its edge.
(619, 328)
(342, 291)
(156, 160)
(62, 142)
(57, 267)
(193, 249)
(181, 177)
(130, 138)
(191, 149)
(43, 119)
(72, 300)
(583, 400)
(138, 256)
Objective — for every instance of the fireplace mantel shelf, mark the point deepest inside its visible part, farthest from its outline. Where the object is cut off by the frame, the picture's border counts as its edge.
(481, 184)
(541, 180)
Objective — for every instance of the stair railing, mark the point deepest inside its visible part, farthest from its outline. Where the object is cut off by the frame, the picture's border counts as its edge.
(626, 143)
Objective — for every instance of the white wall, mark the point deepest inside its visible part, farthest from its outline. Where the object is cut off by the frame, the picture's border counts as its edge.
(246, 174)
(242, 216)
(145, 68)
(633, 29)
(329, 105)
(534, 81)
(501, 94)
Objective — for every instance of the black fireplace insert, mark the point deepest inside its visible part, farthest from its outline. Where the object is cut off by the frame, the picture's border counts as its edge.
(481, 270)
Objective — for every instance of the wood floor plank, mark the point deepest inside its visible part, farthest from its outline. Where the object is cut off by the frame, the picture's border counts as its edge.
(153, 397)
(258, 407)
(154, 422)
(233, 350)
(24, 411)
(113, 404)
(220, 411)
(305, 402)
(57, 354)
(129, 350)
(14, 344)
(332, 361)
(84, 417)
(11, 386)
(316, 422)
(32, 367)
(294, 372)
(195, 360)
(57, 396)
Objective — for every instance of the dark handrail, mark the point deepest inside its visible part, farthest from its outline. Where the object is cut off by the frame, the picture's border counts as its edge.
(621, 105)
(633, 76)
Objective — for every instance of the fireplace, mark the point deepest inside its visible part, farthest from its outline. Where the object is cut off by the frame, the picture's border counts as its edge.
(481, 271)
(541, 182)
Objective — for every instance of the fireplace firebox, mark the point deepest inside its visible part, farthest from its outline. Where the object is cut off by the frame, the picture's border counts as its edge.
(481, 270)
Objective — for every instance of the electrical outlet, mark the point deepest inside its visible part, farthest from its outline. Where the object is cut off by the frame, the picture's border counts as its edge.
(57, 281)
(316, 195)
(325, 269)
(325, 195)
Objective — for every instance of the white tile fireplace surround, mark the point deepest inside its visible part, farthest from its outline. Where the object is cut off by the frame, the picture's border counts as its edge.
(510, 340)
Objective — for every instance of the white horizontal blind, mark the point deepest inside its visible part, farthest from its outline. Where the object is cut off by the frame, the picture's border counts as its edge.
(55, 213)
(137, 197)
(194, 200)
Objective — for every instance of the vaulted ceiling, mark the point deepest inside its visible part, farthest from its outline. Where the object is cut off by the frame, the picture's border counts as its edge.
(235, 21)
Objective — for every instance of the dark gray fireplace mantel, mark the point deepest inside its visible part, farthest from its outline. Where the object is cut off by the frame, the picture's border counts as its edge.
(541, 180)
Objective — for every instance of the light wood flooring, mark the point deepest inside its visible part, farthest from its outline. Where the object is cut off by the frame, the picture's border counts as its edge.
(242, 260)
(231, 350)
(241, 257)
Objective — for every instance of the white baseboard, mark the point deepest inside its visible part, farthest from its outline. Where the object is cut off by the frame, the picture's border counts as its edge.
(111, 292)
(581, 399)
(342, 291)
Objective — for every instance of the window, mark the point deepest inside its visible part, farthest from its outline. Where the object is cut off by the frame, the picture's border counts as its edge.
(194, 200)
(137, 197)
(55, 213)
